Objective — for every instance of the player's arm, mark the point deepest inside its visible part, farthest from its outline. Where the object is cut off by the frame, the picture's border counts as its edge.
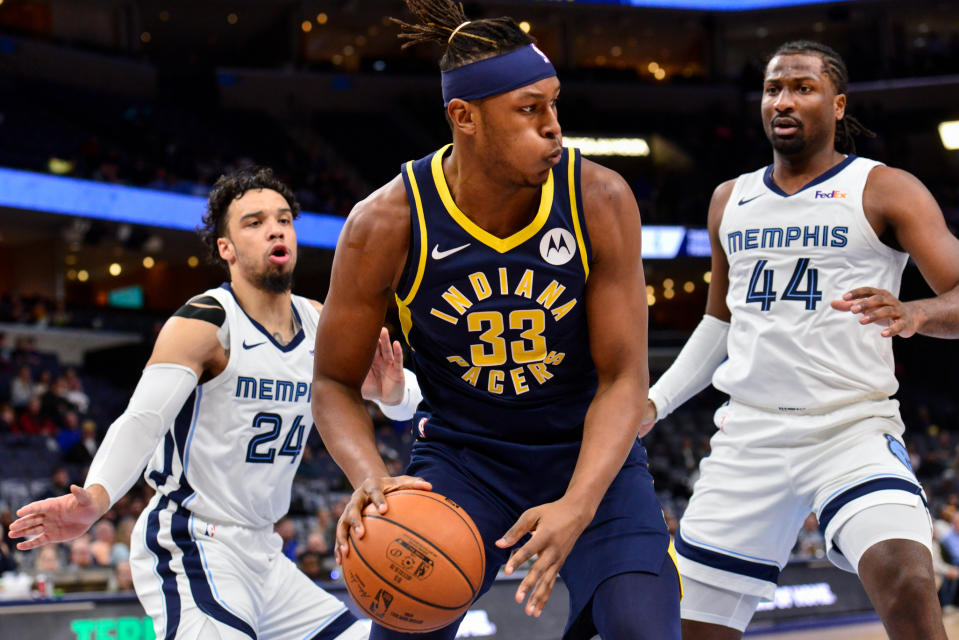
(186, 348)
(367, 266)
(692, 371)
(395, 390)
(617, 318)
(901, 204)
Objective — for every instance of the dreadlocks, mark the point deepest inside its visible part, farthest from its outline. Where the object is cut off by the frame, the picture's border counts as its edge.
(835, 68)
(444, 22)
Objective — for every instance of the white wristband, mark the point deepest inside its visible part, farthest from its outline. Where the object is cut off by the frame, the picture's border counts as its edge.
(134, 436)
(694, 366)
(411, 399)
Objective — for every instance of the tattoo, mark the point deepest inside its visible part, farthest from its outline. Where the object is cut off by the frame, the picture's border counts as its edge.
(279, 338)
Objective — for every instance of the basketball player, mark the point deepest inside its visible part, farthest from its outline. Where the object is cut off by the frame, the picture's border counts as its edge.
(516, 267)
(206, 562)
(809, 426)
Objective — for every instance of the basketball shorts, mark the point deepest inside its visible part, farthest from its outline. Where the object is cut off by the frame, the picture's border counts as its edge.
(767, 471)
(627, 534)
(191, 575)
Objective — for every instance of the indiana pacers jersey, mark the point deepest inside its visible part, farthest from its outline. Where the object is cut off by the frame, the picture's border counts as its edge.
(233, 462)
(789, 256)
(497, 326)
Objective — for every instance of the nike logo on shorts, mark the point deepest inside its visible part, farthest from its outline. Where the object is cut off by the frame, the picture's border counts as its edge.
(744, 201)
(439, 255)
(250, 346)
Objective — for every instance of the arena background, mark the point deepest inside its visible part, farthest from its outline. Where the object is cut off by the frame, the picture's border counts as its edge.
(117, 115)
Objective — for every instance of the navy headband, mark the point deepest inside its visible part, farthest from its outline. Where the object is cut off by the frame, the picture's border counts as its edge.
(496, 75)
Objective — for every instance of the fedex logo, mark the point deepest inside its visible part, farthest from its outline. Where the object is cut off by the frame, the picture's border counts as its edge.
(830, 194)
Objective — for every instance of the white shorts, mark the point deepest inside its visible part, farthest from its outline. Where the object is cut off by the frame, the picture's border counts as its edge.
(190, 574)
(767, 471)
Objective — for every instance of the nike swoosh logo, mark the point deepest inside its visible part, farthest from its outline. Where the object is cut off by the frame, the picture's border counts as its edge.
(250, 346)
(439, 255)
(743, 201)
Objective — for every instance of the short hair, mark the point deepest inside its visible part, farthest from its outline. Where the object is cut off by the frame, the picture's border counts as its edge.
(835, 68)
(230, 187)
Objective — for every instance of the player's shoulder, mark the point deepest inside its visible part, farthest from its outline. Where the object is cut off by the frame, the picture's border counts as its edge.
(385, 211)
(206, 307)
(884, 177)
(606, 194)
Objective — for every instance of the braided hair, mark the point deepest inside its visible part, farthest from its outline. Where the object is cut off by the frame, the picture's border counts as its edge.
(464, 41)
(835, 68)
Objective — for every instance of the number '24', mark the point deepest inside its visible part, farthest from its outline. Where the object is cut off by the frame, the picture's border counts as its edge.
(290, 448)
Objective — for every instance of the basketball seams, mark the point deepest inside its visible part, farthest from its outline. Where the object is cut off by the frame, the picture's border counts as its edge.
(453, 563)
(474, 531)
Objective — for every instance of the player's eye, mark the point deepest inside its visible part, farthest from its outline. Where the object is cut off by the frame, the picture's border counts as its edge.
(531, 108)
(771, 91)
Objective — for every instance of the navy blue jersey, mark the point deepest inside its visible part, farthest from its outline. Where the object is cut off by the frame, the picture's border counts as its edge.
(497, 326)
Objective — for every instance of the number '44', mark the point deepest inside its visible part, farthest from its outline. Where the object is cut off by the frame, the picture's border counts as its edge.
(802, 275)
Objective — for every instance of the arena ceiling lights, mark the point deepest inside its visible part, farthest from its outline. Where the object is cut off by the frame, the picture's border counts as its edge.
(949, 134)
(636, 147)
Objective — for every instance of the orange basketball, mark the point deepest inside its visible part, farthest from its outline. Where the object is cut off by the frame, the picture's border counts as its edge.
(419, 566)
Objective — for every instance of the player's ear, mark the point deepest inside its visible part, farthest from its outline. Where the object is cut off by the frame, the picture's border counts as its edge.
(839, 104)
(462, 115)
(225, 248)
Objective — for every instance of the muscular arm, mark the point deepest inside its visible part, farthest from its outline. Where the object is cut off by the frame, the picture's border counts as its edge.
(896, 202)
(366, 267)
(618, 318)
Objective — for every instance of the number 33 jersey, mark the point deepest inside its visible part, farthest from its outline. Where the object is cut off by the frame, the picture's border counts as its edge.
(789, 257)
(233, 460)
(497, 326)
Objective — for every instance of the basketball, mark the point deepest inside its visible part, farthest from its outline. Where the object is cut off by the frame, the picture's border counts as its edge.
(419, 566)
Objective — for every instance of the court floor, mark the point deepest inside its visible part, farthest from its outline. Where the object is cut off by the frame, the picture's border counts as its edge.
(868, 631)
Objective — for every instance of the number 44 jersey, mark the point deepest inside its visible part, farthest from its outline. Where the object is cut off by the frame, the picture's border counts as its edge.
(789, 257)
(233, 460)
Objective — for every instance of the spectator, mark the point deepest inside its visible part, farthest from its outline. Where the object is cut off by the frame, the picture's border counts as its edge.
(32, 422)
(21, 388)
(54, 404)
(950, 543)
(47, 559)
(74, 391)
(286, 528)
(121, 548)
(59, 484)
(82, 452)
(8, 418)
(810, 543)
(69, 434)
(311, 563)
(122, 579)
(104, 537)
(80, 555)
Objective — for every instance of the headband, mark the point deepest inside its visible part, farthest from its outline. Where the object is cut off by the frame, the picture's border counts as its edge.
(496, 75)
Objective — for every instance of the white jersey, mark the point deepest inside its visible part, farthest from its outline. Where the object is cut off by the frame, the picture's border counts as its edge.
(234, 461)
(789, 256)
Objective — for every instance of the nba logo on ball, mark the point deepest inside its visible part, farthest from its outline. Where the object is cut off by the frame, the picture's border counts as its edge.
(557, 246)
(419, 566)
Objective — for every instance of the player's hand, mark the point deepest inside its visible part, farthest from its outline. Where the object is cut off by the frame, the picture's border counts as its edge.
(371, 494)
(648, 420)
(59, 519)
(555, 527)
(878, 305)
(385, 381)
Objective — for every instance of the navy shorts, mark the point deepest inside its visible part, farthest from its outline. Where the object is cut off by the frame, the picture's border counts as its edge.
(627, 534)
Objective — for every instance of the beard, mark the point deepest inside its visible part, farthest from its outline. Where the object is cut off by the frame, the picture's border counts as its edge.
(788, 146)
(274, 282)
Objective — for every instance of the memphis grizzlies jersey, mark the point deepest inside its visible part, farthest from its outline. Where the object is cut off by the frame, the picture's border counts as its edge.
(497, 326)
(789, 256)
(233, 462)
